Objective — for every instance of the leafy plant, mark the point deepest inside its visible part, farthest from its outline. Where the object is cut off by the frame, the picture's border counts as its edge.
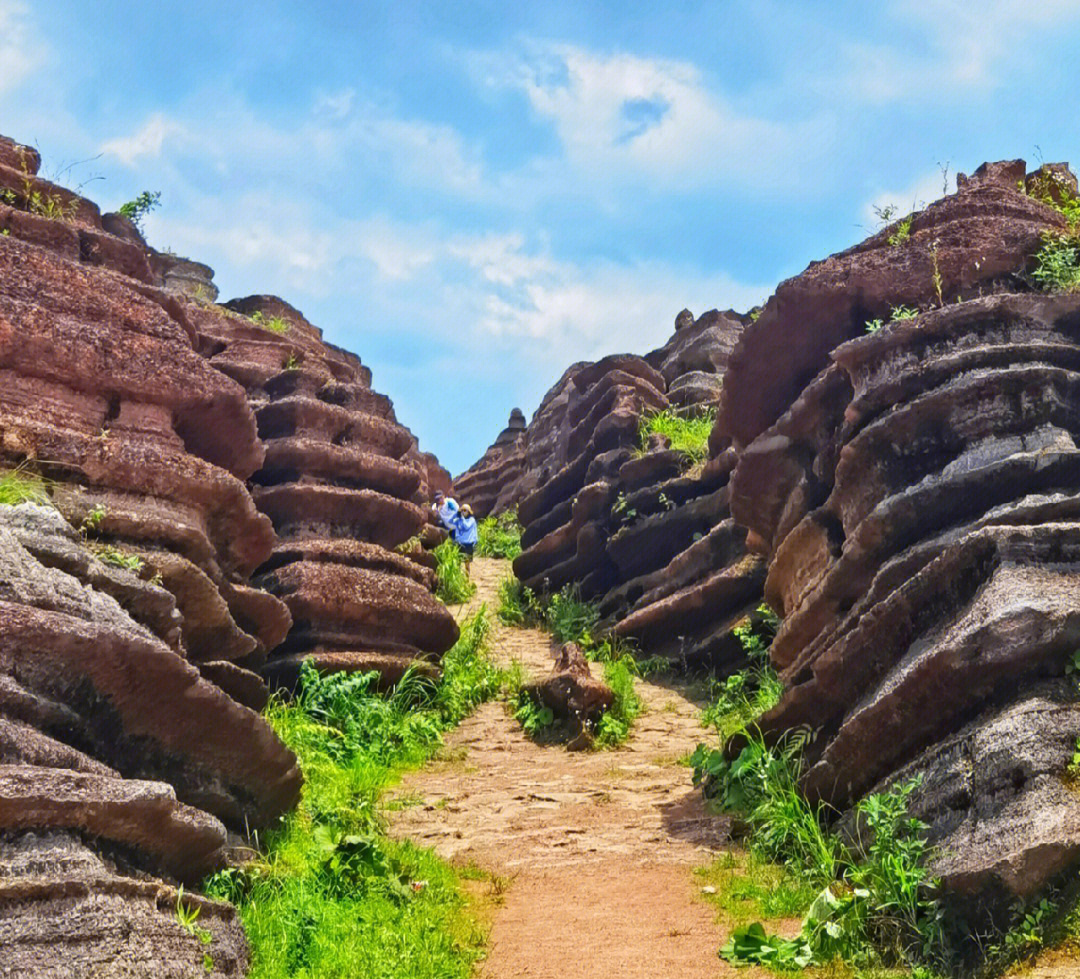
(292, 363)
(689, 435)
(902, 233)
(614, 725)
(187, 916)
(533, 716)
(136, 210)
(872, 326)
(623, 511)
(900, 313)
(452, 584)
(518, 604)
(275, 324)
(120, 559)
(499, 536)
(1026, 935)
(568, 618)
(92, 520)
(1057, 263)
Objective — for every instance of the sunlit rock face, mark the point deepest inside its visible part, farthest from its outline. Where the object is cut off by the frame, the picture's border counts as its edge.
(143, 608)
(344, 485)
(914, 490)
(633, 525)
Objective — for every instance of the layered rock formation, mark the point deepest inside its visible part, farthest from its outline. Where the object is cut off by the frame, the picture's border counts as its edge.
(637, 528)
(344, 485)
(498, 469)
(119, 766)
(133, 648)
(916, 500)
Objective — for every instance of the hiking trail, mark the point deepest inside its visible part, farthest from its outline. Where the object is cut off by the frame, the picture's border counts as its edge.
(597, 847)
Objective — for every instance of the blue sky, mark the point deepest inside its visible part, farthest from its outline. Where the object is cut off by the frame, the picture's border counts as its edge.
(473, 195)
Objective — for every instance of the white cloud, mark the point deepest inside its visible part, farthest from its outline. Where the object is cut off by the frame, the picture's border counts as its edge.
(623, 116)
(22, 51)
(147, 141)
(949, 48)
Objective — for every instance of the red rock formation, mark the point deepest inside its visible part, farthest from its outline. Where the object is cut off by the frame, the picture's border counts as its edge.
(917, 503)
(117, 761)
(338, 471)
(125, 753)
(501, 467)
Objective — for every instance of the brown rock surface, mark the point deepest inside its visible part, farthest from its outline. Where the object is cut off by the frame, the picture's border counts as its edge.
(344, 484)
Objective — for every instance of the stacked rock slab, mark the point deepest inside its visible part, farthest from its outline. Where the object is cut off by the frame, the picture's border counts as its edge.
(120, 768)
(694, 360)
(147, 446)
(917, 500)
(501, 466)
(344, 485)
(641, 532)
(565, 519)
(125, 753)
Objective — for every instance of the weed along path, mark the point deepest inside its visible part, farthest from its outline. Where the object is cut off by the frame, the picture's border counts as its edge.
(592, 851)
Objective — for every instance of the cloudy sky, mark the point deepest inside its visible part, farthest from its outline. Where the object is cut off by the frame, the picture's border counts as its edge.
(473, 195)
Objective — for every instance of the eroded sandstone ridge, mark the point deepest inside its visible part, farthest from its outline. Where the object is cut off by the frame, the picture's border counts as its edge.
(217, 494)
(917, 503)
(637, 527)
(894, 470)
(344, 484)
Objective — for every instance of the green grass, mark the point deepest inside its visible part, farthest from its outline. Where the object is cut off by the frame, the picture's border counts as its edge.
(19, 486)
(613, 728)
(747, 888)
(870, 904)
(499, 536)
(118, 558)
(452, 584)
(333, 896)
(275, 324)
(518, 604)
(690, 436)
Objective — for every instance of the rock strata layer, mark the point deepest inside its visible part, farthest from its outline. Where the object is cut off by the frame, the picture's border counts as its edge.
(227, 498)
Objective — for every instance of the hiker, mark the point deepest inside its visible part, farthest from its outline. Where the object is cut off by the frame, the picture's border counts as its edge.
(464, 532)
(446, 509)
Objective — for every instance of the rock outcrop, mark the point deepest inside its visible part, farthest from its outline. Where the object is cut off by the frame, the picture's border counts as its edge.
(916, 500)
(120, 767)
(500, 468)
(639, 529)
(174, 436)
(570, 691)
(344, 484)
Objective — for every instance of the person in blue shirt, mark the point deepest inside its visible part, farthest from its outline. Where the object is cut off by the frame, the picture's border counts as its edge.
(446, 509)
(464, 531)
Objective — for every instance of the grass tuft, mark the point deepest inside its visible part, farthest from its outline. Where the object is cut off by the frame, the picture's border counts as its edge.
(452, 584)
(690, 436)
(19, 486)
(499, 536)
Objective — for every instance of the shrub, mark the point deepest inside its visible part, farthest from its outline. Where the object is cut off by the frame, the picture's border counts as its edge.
(614, 725)
(452, 583)
(518, 604)
(690, 436)
(1057, 263)
(499, 536)
(569, 619)
(137, 209)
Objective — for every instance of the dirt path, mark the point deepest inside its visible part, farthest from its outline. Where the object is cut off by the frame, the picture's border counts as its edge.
(598, 846)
